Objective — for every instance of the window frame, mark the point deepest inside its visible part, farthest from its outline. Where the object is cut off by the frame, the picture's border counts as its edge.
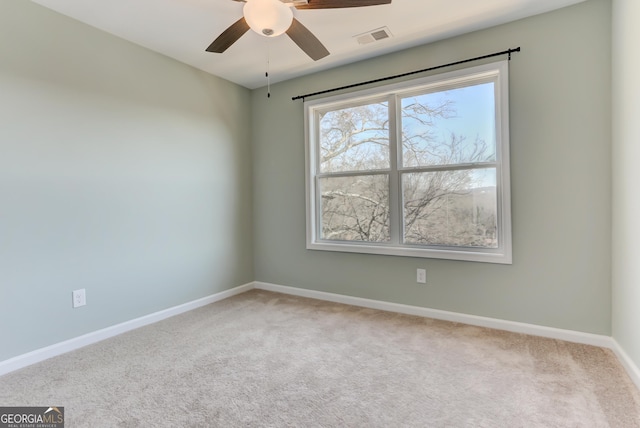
(496, 72)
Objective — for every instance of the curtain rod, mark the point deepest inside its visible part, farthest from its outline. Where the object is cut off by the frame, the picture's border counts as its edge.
(382, 79)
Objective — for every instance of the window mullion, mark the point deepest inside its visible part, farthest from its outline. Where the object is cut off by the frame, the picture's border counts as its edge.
(353, 173)
(451, 167)
(395, 154)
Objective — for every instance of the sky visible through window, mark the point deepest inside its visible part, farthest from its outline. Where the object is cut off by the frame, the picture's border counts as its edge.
(471, 115)
(474, 112)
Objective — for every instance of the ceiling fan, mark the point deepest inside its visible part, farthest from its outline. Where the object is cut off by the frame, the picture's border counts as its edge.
(271, 18)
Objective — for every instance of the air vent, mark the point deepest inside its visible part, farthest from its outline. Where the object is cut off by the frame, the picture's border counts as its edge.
(373, 36)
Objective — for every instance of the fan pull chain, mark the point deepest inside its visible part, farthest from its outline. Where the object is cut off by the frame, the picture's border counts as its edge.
(268, 84)
(267, 73)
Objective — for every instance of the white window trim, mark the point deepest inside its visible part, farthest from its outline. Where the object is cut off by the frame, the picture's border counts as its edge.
(503, 254)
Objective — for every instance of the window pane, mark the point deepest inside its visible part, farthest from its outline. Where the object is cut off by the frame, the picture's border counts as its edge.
(449, 127)
(355, 139)
(355, 208)
(452, 208)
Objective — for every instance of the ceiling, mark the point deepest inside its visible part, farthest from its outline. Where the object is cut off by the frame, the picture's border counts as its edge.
(183, 29)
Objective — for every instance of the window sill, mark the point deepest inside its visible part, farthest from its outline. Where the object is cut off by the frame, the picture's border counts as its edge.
(484, 256)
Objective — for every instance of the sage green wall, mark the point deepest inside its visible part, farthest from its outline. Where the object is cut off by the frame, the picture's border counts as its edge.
(561, 180)
(121, 171)
(626, 177)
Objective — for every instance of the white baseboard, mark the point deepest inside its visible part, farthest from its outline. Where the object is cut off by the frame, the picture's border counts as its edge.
(631, 368)
(42, 354)
(498, 324)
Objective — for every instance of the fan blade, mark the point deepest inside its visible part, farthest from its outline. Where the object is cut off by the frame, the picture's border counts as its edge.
(306, 40)
(334, 4)
(229, 36)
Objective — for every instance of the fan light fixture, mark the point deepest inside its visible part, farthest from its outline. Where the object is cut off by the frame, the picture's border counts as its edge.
(269, 18)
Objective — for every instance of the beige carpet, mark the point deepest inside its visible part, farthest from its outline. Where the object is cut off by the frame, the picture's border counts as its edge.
(263, 359)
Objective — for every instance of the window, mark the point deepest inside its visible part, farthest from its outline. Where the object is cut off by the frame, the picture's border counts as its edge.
(416, 169)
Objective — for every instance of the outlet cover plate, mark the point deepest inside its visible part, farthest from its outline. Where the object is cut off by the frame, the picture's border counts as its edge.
(79, 298)
(421, 276)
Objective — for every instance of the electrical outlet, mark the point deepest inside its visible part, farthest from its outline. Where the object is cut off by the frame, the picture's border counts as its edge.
(421, 276)
(79, 298)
